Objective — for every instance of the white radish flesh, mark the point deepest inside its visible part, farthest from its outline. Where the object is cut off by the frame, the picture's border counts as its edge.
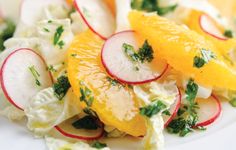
(119, 66)
(173, 109)
(17, 81)
(209, 26)
(97, 16)
(209, 110)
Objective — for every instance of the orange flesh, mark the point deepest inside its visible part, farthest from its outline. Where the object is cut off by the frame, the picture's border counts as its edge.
(115, 105)
(223, 46)
(179, 46)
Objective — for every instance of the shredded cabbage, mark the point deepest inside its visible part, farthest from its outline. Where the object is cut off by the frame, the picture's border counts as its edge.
(165, 92)
(45, 111)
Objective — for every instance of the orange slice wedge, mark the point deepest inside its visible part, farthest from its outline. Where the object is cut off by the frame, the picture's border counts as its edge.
(179, 46)
(115, 105)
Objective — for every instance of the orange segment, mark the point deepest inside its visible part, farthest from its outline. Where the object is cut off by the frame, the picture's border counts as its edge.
(179, 46)
(115, 105)
(69, 2)
(222, 45)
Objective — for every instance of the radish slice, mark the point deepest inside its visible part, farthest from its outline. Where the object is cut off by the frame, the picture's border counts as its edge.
(97, 16)
(210, 110)
(119, 66)
(18, 82)
(68, 130)
(173, 109)
(31, 10)
(208, 25)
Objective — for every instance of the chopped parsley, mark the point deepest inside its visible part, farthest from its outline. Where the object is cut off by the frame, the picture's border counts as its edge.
(233, 102)
(87, 122)
(204, 58)
(46, 29)
(7, 32)
(35, 74)
(187, 116)
(114, 82)
(144, 54)
(130, 52)
(86, 95)
(57, 36)
(51, 68)
(90, 112)
(61, 87)
(49, 21)
(99, 145)
(166, 112)
(228, 34)
(152, 109)
(151, 6)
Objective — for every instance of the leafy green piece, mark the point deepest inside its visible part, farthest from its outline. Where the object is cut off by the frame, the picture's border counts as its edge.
(164, 10)
(198, 62)
(61, 87)
(57, 36)
(187, 116)
(35, 74)
(7, 32)
(152, 109)
(191, 91)
(130, 52)
(166, 112)
(144, 54)
(99, 145)
(229, 33)
(86, 95)
(151, 6)
(87, 122)
(233, 102)
(206, 56)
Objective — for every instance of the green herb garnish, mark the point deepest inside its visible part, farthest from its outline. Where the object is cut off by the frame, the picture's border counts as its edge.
(187, 116)
(152, 109)
(233, 102)
(35, 74)
(114, 82)
(7, 32)
(151, 6)
(87, 122)
(51, 68)
(204, 58)
(229, 33)
(57, 37)
(46, 29)
(99, 145)
(144, 54)
(86, 95)
(61, 87)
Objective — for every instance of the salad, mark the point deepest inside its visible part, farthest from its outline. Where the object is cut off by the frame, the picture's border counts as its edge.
(84, 71)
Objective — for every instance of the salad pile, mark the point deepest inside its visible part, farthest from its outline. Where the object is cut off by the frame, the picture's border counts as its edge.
(83, 71)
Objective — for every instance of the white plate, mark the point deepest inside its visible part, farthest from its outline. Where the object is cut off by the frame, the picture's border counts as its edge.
(219, 136)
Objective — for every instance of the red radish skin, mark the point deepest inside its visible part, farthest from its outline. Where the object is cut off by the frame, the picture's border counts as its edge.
(173, 115)
(2, 78)
(219, 35)
(165, 68)
(213, 118)
(79, 137)
(87, 22)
